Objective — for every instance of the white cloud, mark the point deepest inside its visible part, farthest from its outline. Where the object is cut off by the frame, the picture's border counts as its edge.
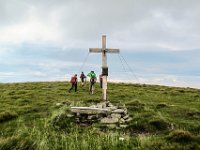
(165, 79)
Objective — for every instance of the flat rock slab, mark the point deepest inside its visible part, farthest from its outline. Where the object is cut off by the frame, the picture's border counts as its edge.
(89, 110)
(119, 111)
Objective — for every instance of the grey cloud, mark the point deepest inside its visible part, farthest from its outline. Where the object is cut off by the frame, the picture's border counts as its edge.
(12, 12)
(130, 23)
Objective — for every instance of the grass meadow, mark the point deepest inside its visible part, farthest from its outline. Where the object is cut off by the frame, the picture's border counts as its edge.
(163, 118)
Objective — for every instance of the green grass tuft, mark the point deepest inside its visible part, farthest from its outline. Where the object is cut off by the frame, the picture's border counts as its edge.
(180, 136)
(135, 105)
(7, 115)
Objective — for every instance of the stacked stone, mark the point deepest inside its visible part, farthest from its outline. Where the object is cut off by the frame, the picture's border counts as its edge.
(105, 113)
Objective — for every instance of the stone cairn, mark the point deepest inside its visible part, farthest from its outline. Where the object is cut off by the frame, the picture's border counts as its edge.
(105, 113)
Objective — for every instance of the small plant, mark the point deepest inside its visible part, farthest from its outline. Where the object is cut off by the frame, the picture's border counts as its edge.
(161, 105)
(17, 143)
(180, 136)
(61, 120)
(194, 114)
(159, 124)
(135, 105)
(181, 91)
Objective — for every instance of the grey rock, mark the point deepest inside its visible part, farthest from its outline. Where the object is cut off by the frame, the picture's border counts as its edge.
(91, 117)
(59, 104)
(121, 120)
(125, 111)
(101, 105)
(123, 126)
(126, 117)
(109, 120)
(110, 105)
(121, 107)
(112, 108)
(116, 116)
(112, 126)
(70, 115)
(129, 119)
(93, 106)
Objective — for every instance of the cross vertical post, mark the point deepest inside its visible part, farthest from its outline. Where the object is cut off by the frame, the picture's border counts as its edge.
(104, 51)
(104, 67)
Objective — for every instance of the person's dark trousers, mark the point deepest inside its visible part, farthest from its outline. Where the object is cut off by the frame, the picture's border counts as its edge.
(91, 84)
(101, 83)
(74, 85)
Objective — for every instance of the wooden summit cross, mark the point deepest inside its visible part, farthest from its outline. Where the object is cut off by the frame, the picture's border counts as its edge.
(104, 50)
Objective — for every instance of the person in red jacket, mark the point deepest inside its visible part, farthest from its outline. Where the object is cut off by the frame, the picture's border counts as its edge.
(74, 83)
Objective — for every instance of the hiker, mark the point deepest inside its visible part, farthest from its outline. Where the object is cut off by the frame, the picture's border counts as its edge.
(73, 82)
(93, 79)
(83, 77)
(101, 80)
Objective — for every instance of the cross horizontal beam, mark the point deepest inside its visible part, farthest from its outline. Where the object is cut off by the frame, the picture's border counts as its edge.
(95, 50)
(100, 50)
(112, 50)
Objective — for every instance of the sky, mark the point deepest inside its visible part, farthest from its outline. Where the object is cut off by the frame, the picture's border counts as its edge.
(48, 40)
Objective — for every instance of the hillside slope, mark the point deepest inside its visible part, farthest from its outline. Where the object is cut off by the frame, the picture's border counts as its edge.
(163, 117)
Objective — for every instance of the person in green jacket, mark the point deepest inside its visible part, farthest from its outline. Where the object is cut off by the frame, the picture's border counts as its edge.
(93, 79)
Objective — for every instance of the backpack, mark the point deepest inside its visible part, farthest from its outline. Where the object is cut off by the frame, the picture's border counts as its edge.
(82, 76)
(93, 75)
(93, 80)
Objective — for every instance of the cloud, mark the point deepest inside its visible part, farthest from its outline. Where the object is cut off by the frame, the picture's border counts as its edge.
(31, 31)
(130, 23)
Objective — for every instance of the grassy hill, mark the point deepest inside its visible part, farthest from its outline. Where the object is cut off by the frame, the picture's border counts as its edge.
(163, 117)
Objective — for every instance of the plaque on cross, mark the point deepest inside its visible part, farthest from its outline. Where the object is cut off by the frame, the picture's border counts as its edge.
(104, 51)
